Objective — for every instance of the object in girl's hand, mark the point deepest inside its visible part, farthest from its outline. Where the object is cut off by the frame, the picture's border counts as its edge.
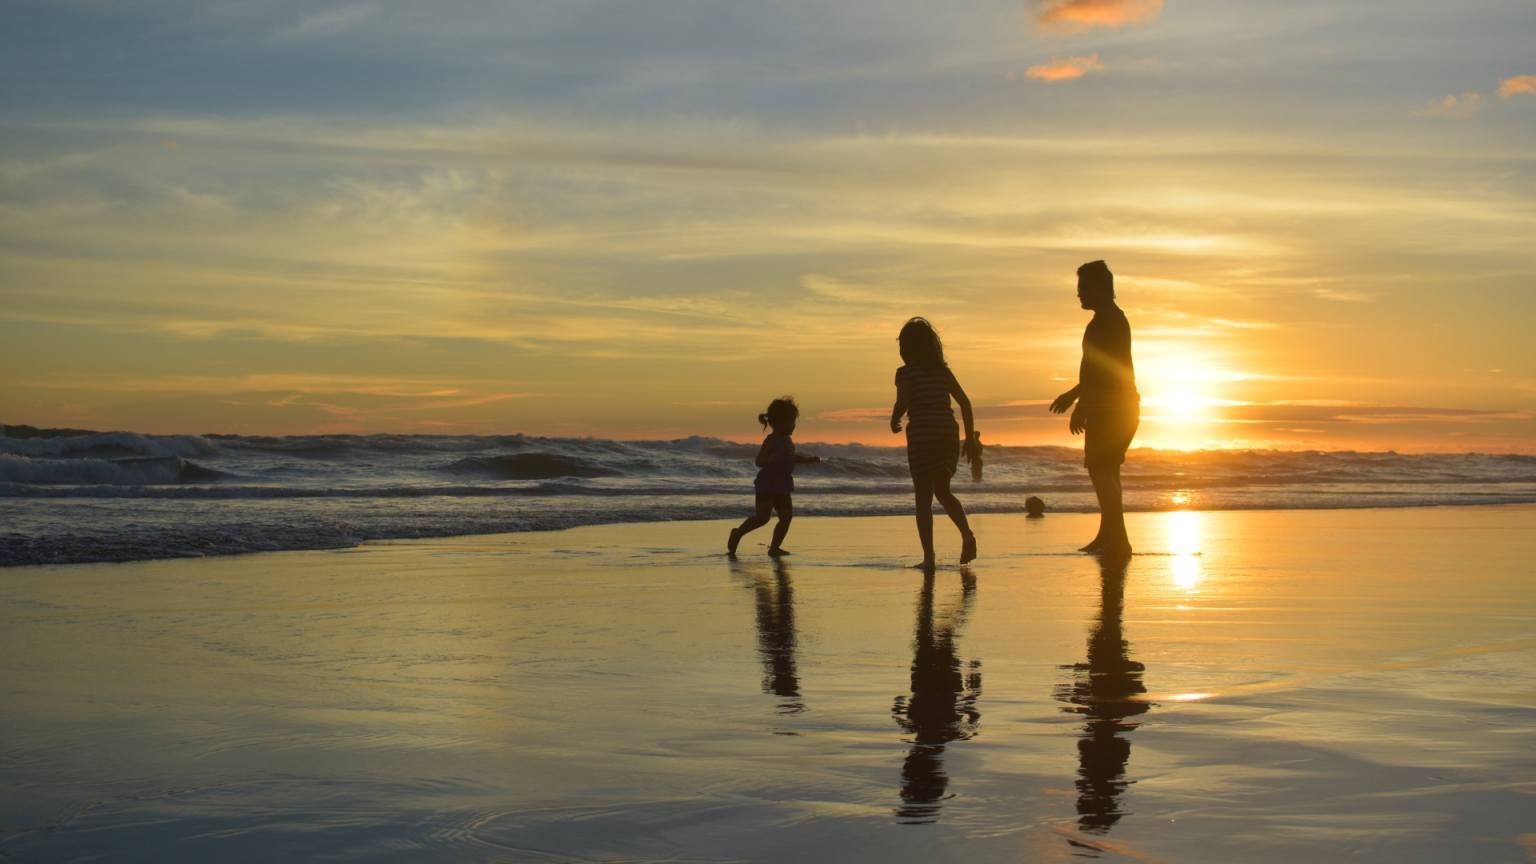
(1034, 507)
(976, 457)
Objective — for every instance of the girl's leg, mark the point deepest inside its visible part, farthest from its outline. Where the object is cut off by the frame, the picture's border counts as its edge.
(956, 513)
(786, 508)
(753, 522)
(923, 488)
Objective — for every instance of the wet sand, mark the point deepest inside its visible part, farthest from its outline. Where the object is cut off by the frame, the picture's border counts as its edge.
(1255, 686)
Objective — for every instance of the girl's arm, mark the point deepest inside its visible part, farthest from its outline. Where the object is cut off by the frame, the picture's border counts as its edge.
(900, 407)
(765, 453)
(806, 460)
(966, 414)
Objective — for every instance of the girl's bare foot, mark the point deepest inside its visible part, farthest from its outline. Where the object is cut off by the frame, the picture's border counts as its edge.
(730, 546)
(968, 549)
(929, 563)
(777, 552)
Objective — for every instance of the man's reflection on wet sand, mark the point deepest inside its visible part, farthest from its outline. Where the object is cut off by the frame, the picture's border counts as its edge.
(1104, 691)
(942, 707)
(776, 637)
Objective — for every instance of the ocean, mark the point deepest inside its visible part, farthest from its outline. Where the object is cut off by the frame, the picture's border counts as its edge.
(122, 496)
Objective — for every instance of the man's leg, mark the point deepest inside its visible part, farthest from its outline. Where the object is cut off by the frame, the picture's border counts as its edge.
(1106, 485)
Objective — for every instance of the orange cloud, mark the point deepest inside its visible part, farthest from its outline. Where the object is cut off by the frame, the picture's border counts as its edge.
(1450, 106)
(1065, 70)
(1075, 16)
(1518, 84)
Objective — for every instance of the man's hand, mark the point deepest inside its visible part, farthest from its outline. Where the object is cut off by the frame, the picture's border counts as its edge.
(1064, 401)
(1077, 423)
(895, 426)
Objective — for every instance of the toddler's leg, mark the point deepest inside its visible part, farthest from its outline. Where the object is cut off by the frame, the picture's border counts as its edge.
(753, 522)
(786, 507)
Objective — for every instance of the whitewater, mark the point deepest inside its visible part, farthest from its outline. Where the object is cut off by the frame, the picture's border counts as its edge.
(122, 496)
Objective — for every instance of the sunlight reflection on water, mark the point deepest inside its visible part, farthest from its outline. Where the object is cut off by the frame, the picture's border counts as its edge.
(1184, 545)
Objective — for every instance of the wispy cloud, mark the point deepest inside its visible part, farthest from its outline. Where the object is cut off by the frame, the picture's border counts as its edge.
(1518, 84)
(1075, 16)
(855, 415)
(1345, 296)
(1451, 106)
(332, 22)
(1065, 70)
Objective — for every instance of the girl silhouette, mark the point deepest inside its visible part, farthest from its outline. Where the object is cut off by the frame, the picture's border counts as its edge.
(923, 389)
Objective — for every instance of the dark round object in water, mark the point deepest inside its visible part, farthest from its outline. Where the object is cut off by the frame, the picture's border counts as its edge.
(1034, 506)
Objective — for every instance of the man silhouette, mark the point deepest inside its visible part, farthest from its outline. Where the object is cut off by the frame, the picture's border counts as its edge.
(1108, 406)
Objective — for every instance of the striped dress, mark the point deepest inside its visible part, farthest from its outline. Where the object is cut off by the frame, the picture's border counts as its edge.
(933, 436)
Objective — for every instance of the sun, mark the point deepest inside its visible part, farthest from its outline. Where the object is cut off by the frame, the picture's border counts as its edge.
(1183, 403)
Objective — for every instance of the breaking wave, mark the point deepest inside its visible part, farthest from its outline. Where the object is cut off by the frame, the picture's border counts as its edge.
(85, 496)
(142, 471)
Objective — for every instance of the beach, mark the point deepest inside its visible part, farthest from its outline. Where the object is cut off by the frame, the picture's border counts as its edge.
(1261, 685)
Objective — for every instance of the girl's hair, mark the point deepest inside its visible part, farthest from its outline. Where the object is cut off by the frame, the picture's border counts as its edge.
(920, 345)
(780, 411)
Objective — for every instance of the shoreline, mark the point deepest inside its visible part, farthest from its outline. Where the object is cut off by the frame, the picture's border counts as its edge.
(343, 541)
(1259, 686)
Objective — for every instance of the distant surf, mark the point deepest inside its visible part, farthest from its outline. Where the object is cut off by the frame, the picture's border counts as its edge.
(119, 496)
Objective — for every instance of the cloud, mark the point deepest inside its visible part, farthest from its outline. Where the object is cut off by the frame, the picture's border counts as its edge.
(1450, 106)
(1345, 296)
(855, 415)
(1075, 16)
(1065, 70)
(334, 22)
(1518, 84)
(1325, 411)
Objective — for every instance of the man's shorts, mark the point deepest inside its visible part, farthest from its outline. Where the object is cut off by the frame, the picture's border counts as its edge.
(1107, 433)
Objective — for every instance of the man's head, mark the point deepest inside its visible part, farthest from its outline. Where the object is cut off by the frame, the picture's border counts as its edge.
(1095, 285)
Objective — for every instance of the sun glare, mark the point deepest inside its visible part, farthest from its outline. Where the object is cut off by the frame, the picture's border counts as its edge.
(1184, 546)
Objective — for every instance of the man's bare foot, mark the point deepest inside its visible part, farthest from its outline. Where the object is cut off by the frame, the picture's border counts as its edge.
(968, 549)
(730, 546)
(929, 563)
(777, 552)
(1094, 545)
(1114, 549)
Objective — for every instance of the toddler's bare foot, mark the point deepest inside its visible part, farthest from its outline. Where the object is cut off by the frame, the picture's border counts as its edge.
(777, 552)
(968, 549)
(730, 546)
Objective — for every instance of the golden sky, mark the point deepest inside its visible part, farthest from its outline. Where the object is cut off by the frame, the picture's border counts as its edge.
(648, 219)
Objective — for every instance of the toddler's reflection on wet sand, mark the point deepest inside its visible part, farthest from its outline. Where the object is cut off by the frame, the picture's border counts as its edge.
(776, 637)
(1103, 690)
(942, 707)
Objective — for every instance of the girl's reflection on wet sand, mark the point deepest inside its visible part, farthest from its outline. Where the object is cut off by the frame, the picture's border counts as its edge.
(942, 707)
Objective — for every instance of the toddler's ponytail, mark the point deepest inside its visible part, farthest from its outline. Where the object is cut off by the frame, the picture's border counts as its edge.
(779, 410)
